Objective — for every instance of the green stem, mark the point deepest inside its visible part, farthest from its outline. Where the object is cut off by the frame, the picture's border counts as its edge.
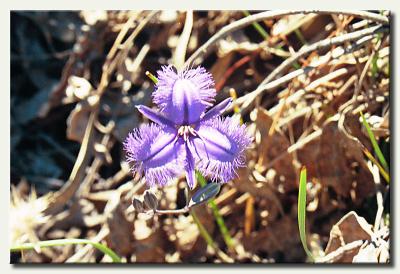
(220, 221)
(59, 242)
(203, 230)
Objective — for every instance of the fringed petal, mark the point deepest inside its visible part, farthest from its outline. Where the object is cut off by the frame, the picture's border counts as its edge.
(220, 148)
(156, 152)
(183, 96)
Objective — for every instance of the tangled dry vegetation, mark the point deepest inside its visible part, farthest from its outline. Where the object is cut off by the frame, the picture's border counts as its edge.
(301, 81)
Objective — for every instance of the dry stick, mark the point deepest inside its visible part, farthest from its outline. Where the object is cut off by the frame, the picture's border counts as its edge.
(106, 141)
(379, 197)
(272, 15)
(67, 191)
(247, 99)
(180, 51)
(321, 45)
(109, 65)
(266, 85)
(340, 252)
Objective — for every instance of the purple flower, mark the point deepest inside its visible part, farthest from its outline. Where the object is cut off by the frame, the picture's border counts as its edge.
(182, 97)
(185, 135)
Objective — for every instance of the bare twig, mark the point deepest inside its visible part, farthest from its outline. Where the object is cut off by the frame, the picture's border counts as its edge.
(272, 15)
(246, 100)
(331, 257)
(78, 171)
(180, 51)
(379, 198)
(266, 85)
(112, 61)
(321, 45)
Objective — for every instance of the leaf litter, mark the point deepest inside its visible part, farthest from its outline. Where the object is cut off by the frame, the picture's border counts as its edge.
(76, 77)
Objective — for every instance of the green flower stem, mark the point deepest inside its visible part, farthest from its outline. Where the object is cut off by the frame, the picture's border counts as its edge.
(220, 221)
(203, 230)
(59, 242)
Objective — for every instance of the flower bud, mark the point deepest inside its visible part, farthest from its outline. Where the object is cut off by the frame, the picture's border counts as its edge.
(138, 205)
(150, 200)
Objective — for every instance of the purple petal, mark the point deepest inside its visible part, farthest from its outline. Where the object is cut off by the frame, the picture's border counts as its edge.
(155, 116)
(189, 168)
(221, 148)
(217, 110)
(156, 152)
(183, 96)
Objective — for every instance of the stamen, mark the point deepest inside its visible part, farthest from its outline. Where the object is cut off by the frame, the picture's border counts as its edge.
(186, 132)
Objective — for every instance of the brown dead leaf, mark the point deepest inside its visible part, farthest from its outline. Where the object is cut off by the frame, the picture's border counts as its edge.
(275, 238)
(337, 161)
(349, 229)
(271, 147)
(77, 121)
(150, 242)
(120, 238)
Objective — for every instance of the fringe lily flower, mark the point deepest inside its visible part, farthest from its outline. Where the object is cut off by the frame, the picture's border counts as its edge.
(185, 136)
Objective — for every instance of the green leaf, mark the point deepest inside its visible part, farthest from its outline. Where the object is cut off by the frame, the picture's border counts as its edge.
(301, 211)
(205, 193)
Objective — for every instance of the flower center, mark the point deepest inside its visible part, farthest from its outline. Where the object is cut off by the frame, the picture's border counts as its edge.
(186, 132)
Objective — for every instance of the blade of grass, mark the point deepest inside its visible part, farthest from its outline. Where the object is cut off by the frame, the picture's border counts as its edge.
(59, 242)
(300, 36)
(220, 221)
(384, 174)
(375, 145)
(257, 26)
(301, 211)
